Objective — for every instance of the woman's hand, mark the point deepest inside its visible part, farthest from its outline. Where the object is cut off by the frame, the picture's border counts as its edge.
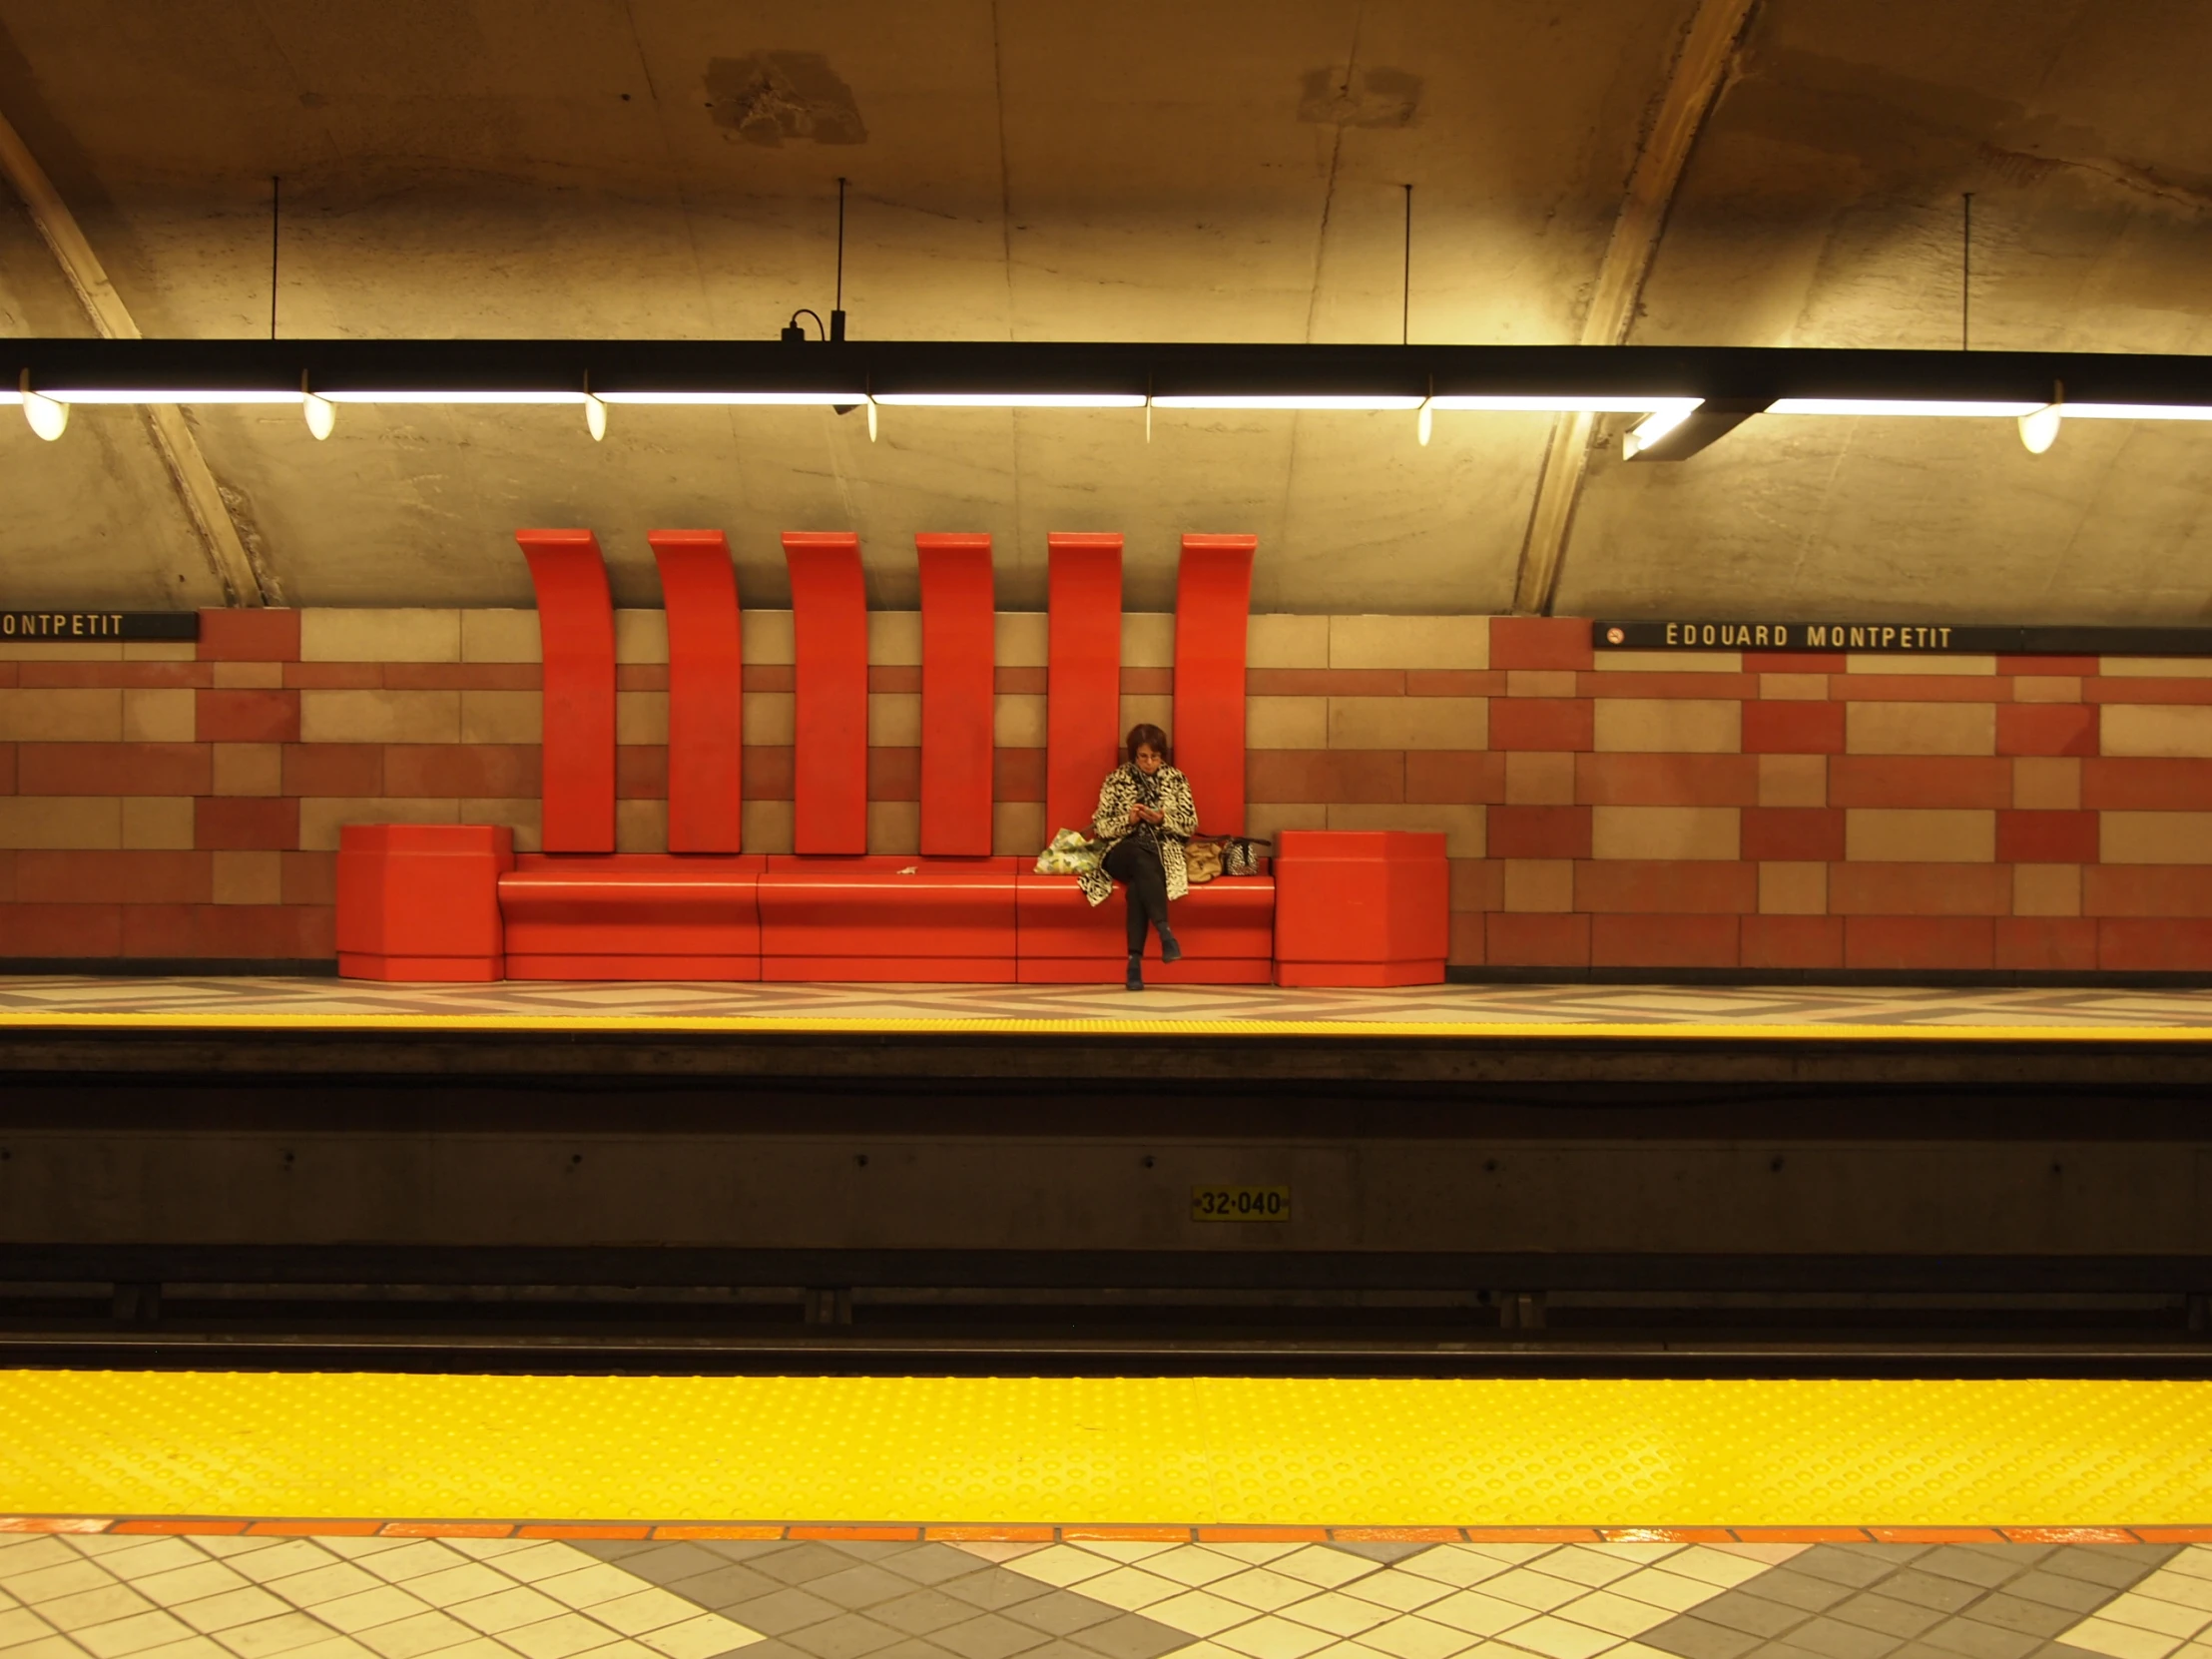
(1143, 814)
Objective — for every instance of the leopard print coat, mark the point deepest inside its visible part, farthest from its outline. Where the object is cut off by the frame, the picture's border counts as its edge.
(1178, 823)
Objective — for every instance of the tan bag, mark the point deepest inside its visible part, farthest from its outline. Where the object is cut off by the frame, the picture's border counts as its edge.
(1202, 859)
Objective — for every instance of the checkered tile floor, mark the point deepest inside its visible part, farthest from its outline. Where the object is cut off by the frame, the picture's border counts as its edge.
(26, 999)
(138, 1597)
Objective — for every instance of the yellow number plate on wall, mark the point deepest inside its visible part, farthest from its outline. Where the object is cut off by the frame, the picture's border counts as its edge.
(1239, 1204)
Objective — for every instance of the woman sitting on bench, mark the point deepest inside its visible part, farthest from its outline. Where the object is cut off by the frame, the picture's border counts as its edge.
(1145, 816)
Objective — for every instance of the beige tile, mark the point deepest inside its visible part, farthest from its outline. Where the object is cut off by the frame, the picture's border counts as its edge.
(1268, 818)
(640, 636)
(560, 1637)
(70, 1575)
(490, 636)
(248, 878)
(1021, 639)
(528, 1559)
(1921, 728)
(507, 716)
(322, 815)
(699, 1638)
(2054, 688)
(525, 817)
(1272, 1638)
(2156, 667)
(1410, 642)
(352, 1550)
(158, 821)
(1539, 883)
(2046, 890)
(160, 650)
(1669, 662)
(1913, 661)
(1667, 725)
(287, 1634)
(1789, 888)
(29, 1553)
(1286, 723)
(1191, 1565)
(191, 1647)
(291, 1556)
(1267, 1592)
(1664, 1589)
(1539, 682)
(1795, 688)
(1062, 1565)
(379, 636)
(164, 713)
(2119, 1641)
(2147, 838)
(894, 638)
(505, 1609)
(2047, 783)
(1462, 826)
(894, 720)
(894, 826)
(1462, 1564)
(137, 1557)
(1328, 1568)
(1409, 723)
(121, 1637)
(1147, 638)
(1793, 779)
(766, 825)
(72, 714)
(1560, 1638)
(19, 1625)
(587, 1585)
(52, 1647)
(1712, 1566)
(63, 651)
(1018, 827)
(410, 1638)
(641, 827)
(1197, 1613)
(641, 717)
(1615, 1615)
(249, 675)
(248, 768)
(86, 1608)
(643, 1611)
(1412, 1637)
(771, 717)
(1131, 1588)
(446, 1585)
(332, 1647)
(380, 716)
(1538, 777)
(1914, 834)
(1664, 832)
(385, 1604)
(325, 1583)
(767, 638)
(1400, 1591)
(1018, 721)
(1473, 1612)
(2153, 729)
(1281, 641)
(91, 821)
(1158, 710)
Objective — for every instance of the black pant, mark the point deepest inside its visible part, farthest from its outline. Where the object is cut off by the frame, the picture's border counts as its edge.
(1134, 861)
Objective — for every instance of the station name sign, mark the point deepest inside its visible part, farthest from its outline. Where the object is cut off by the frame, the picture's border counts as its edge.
(99, 625)
(1920, 637)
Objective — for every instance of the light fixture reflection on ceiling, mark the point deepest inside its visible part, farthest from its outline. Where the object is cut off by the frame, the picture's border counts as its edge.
(2039, 427)
(322, 414)
(595, 417)
(180, 394)
(413, 396)
(1311, 401)
(1562, 402)
(1426, 427)
(1653, 427)
(678, 398)
(1899, 406)
(2139, 411)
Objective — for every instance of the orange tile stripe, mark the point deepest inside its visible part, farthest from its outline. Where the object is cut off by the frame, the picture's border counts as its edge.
(1041, 1534)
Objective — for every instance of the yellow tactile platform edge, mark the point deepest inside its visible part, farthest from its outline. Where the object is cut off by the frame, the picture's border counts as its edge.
(1104, 1451)
(1732, 1030)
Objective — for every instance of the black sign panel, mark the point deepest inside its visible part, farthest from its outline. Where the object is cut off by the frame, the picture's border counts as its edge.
(1918, 637)
(98, 624)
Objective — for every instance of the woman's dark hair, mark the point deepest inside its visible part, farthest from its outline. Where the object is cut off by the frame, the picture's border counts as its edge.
(1146, 736)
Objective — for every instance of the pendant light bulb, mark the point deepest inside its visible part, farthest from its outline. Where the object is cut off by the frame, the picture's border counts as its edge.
(48, 418)
(321, 413)
(2039, 427)
(595, 418)
(1427, 423)
(871, 421)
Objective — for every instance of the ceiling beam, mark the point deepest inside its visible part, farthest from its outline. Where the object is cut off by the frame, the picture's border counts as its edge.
(1694, 84)
(197, 490)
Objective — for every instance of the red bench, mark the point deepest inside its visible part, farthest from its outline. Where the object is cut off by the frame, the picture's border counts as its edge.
(633, 915)
(892, 917)
(1225, 929)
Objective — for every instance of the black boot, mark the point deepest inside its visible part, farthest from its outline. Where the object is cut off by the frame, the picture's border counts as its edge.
(1136, 973)
(1170, 950)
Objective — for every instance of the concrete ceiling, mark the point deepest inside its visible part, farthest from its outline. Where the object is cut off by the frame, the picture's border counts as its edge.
(1201, 170)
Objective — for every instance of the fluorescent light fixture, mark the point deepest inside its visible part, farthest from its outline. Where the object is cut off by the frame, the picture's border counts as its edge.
(183, 394)
(829, 398)
(1900, 407)
(48, 418)
(595, 418)
(1563, 403)
(454, 397)
(2139, 411)
(321, 416)
(1290, 400)
(1014, 399)
(1426, 427)
(1653, 427)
